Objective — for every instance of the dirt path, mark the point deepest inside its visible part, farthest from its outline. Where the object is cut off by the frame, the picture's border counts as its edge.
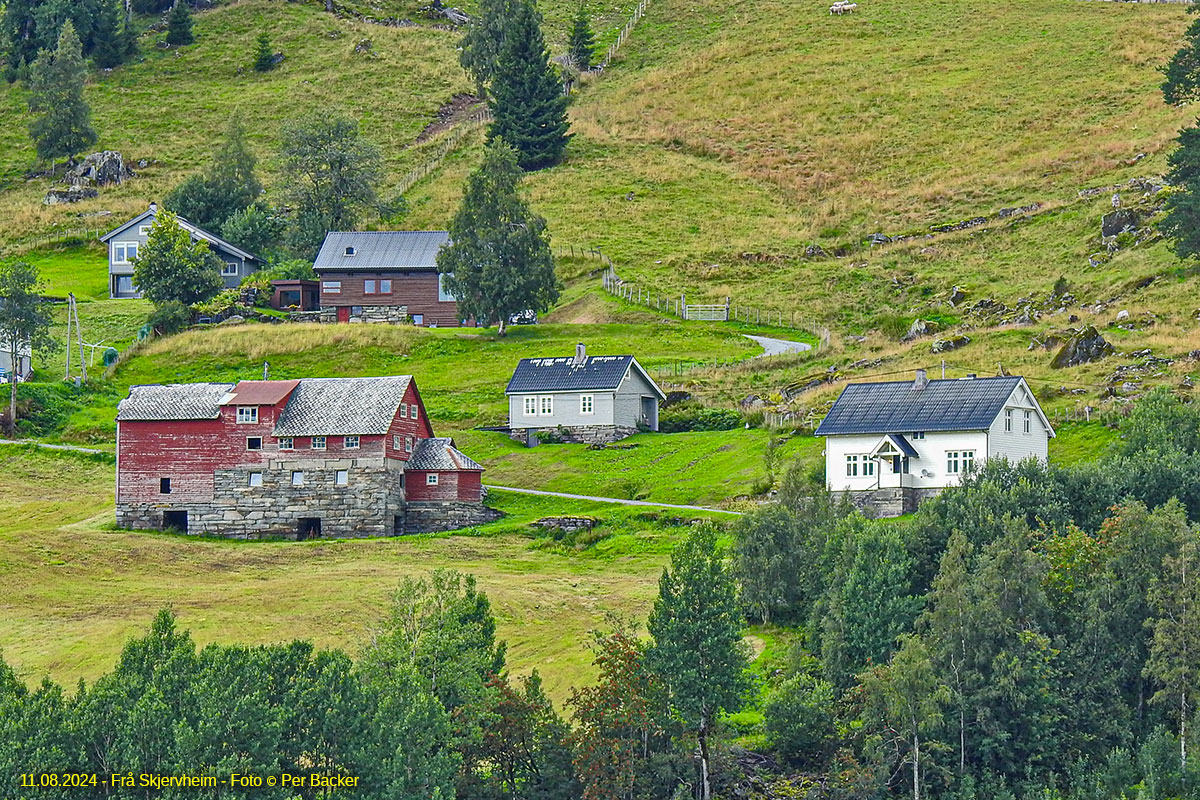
(610, 500)
(777, 347)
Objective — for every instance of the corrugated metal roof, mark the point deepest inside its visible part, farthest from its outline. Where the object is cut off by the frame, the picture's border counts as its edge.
(342, 406)
(176, 401)
(440, 454)
(259, 393)
(381, 250)
(565, 375)
(969, 404)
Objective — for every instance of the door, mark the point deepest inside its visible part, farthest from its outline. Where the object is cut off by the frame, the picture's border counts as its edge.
(650, 412)
(343, 313)
(309, 528)
(175, 521)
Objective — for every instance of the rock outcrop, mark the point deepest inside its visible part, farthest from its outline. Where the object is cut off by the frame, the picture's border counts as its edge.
(1084, 346)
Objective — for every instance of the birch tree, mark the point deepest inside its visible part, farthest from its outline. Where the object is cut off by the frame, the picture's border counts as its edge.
(24, 322)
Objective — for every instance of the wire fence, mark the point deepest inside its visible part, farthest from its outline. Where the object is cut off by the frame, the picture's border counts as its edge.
(448, 144)
(63, 236)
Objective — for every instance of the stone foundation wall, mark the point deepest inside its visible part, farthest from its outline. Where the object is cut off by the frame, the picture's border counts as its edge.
(446, 515)
(579, 434)
(324, 316)
(394, 315)
(893, 502)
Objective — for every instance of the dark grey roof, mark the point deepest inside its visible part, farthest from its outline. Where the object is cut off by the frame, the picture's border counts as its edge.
(564, 375)
(969, 404)
(902, 444)
(195, 230)
(440, 454)
(342, 406)
(176, 401)
(381, 250)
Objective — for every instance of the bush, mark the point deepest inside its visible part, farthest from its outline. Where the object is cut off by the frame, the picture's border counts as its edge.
(799, 721)
(222, 302)
(694, 417)
(170, 318)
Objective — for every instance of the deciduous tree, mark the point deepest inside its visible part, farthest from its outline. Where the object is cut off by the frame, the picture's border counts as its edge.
(24, 322)
(479, 51)
(227, 185)
(172, 268)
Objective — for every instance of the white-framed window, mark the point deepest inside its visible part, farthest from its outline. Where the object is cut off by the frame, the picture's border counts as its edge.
(531, 406)
(408, 444)
(412, 411)
(1028, 422)
(959, 461)
(331, 287)
(247, 414)
(385, 286)
(431, 479)
(297, 478)
(395, 441)
(403, 410)
(229, 269)
(124, 252)
(587, 404)
(852, 466)
(546, 406)
(351, 442)
(318, 443)
(256, 479)
(444, 295)
(144, 230)
(287, 443)
(341, 478)
(918, 434)
(868, 466)
(369, 286)
(254, 443)
(1008, 420)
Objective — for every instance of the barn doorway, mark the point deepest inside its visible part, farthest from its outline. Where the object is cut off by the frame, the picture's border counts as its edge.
(309, 528)
(175, 521)
(343, 313)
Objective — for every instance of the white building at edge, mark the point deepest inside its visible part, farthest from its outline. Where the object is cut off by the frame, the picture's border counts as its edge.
(890, 445)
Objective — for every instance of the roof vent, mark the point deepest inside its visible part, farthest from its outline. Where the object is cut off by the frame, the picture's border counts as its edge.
(154, 208)
(580, 355)
(970, 376)
(921, 381)
(350, 251)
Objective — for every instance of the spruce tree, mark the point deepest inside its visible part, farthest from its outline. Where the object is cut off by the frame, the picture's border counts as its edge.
(529, 108)
(226, 186)
(113, 40)
(179, 25)
(1182, 221)
(1183, 72)
(499, 262)
(264, 56)
(62, 124)
(581, 41)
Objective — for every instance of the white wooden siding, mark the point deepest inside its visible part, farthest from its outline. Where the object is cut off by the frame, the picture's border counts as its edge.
(1016, 445)
(930, 458)
(566, 410)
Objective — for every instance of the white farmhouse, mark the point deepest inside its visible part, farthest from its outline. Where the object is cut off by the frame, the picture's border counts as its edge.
(891, 445)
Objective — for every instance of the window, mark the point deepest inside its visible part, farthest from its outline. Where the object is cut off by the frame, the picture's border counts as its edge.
(229, 269)
(246, 414)
(287, 443)
(254, 443)
(318, 443)
(868, 466)
(531, 406)
(331, 287)
(1028, 422)
(408, 444)
(369, 287)
(144, 230)
(395, 442)
(342, 477)
(412, 411)
(125, 284)
(431, 479)
(403, 410)
(918, 434)
(546, 406)
(350, 251)
(256, 479)
(356, 311)
(958, 461)
(385, 286)
(351, 442)
(1008, 420)
(124, 252)
(859, 465)
(164, 485)
(297, 478)
(444, 295)
(851, 466)
(586, 404)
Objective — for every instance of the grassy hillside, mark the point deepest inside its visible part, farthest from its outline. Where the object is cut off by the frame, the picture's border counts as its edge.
(79, 588)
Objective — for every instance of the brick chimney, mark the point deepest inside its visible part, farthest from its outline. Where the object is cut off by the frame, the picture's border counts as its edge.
(921, 381)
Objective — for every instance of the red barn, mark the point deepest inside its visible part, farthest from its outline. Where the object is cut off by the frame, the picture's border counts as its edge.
(300, 458)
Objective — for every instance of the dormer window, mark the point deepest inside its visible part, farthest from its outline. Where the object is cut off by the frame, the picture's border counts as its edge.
(350, 251)
(247, 414)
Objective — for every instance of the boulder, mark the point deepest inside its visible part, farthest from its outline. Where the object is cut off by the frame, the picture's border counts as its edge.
(950, 343)
(919, 328)
(1084, 346)
(236, 319)
(71, 194)
(814, 251)
(878, 238)
(100, 169)
(1122, 315)
(1119, 221)
(956, 296)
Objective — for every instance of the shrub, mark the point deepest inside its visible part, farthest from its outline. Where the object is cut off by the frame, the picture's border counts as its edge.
(799, 721)
(693, 417)
(222, 302)
(170, 318)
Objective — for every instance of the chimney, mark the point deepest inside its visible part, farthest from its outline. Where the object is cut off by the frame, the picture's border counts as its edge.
(921, 381)
(154, 208)
(970, 376)
(580, 355)
(266, 370)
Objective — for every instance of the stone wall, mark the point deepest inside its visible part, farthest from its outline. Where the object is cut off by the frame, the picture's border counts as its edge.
(446, 515)
(578, 434)
(887, 502)
(395, 315)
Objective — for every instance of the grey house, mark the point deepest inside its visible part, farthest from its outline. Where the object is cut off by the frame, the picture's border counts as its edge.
(125, 241)
(582, 399)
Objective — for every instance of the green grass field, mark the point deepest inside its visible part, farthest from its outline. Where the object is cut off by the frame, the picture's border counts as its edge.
(78, 588)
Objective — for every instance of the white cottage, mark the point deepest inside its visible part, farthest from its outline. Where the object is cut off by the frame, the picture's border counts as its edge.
(591, 399)
(891, 445)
